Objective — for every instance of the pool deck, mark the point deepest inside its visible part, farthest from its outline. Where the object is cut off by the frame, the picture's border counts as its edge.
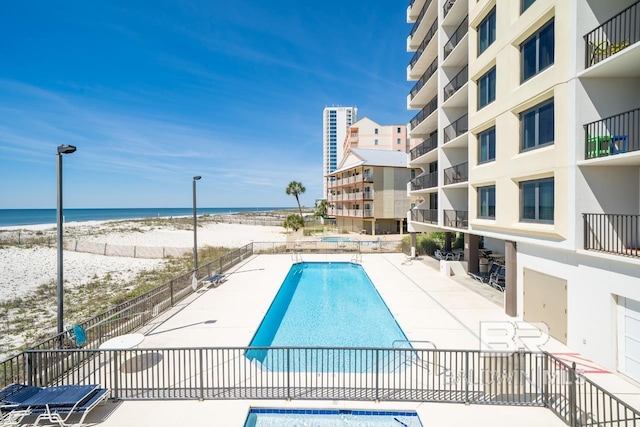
(427, 305)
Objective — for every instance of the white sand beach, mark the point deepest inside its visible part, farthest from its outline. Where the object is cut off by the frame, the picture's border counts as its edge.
(25, 268)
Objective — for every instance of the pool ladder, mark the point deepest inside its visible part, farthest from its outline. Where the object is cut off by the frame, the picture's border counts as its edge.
(296, 258)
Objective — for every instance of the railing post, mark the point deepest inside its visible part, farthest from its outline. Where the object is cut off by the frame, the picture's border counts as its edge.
(466, 377)
(171, 292)
(377, 374)
(288, 374)
(572, 396)
(201, 373)
(545, 380)
(29, 367)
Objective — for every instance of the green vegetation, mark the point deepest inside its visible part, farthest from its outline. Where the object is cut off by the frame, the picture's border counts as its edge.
(296, 188)
(294, 222)
(321, 208)
(428, 243)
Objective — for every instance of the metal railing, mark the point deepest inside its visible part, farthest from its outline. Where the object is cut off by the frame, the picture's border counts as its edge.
(416, 24)
(425, 215)
(425, 77)
(456, 174)
(613, 135)
(612, 233)
(426, 111)
(429, 180)
(448, 4)
(425, 147)
(457, 35)
(456, 128)
(456, 83)
(427, 38)
(613, 35)
(319, 373)
(456, 219)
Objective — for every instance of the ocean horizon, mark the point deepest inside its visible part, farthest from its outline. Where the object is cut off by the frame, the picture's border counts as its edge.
(17, 217)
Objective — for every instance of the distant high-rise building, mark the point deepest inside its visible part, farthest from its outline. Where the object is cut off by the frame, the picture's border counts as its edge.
(335, 121)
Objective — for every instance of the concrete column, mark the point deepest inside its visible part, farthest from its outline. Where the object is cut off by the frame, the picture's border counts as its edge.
(511, 278)
(471, 252)
(447, 241)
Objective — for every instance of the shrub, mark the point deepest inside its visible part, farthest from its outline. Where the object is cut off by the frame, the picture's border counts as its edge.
(293, 221)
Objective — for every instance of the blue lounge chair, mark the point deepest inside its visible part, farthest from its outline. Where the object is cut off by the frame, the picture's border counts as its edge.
(54, 404)
(216, 279)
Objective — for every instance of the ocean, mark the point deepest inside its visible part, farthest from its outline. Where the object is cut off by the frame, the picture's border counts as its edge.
(14, 217)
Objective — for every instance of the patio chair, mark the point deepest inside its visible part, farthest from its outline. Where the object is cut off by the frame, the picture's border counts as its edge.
(484, 276)
(598, 146)
(498, 280)
(216, 279)
(55, 404)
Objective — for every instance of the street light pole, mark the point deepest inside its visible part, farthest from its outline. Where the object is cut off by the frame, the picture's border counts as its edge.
(62, 149)
(195, 227)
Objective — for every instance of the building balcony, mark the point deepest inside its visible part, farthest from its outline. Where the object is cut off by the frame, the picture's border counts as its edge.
(456, 83)
(425, 147)
(419, 28)
(456, 219)
(456, 129)
(423, 182)
(418, 122)
(456, 37)
(426, 85)
(613, 135)
(456, 174)
(448, 4)
(612, 234)
(425, 215)
(613, 36)
(424, 54)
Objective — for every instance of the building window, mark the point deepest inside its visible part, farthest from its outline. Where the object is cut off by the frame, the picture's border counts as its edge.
(487, 202)
(399, 130)
(487, 88)
(537, 126)
(375, 142)
(536, 52)
(375, 131)
(399, 141)
(487, 31)
(536, 200)
(487, 145)
(524, 5)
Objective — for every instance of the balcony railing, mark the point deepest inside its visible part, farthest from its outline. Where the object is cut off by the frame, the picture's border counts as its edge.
(425, 181)
(613, 135)
(456, 83)
(425, 215)
(614, 35)
(448, 4)
(456, 174)
(456, 128)
(456, 219)
(425, 112)
(425, 42)
(426, 146)
(425, 77)
(458, 34)
(612, 233)
(419, 19)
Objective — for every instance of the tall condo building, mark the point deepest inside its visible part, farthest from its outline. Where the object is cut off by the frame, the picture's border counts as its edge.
(529, 117)
(335, 121)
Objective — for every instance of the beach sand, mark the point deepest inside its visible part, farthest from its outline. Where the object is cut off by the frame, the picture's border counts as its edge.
(25, 268)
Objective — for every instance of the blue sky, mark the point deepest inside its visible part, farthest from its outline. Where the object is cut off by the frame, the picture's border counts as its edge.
(155, 92)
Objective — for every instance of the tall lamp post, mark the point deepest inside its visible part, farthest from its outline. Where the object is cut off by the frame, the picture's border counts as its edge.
(195, 227)
(62, 149)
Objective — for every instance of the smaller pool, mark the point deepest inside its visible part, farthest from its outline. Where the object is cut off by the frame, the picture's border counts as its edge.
(335, 239)
(330, 418)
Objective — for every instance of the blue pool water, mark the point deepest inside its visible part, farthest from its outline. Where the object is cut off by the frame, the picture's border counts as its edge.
(330, 418)
(335, 239)
(326, 305)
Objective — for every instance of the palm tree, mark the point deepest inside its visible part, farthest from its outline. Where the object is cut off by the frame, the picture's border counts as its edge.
(296, 188)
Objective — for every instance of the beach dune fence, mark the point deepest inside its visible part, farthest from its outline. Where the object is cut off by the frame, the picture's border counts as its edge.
(131, 251)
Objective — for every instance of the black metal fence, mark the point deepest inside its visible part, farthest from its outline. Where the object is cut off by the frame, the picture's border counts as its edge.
(425, 77)
(612, 36)
(429, 180)
(613, 135)
(416, 24)
(426, 146)
(456, 174)
(457, 35)
(427, 39)
(612, 233)
(456, 83)
(373, 374)
(426, 111)
(456, 219)
(448, 4)
(456, 128)
(425, 215)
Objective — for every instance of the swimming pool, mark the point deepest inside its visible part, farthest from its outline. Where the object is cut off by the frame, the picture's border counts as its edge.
(326, 304)
(330, 417)
(336, 239)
